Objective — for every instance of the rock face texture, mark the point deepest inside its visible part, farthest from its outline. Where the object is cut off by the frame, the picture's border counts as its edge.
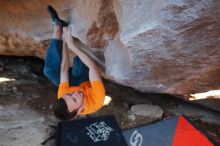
(150, 45)
(21, 129)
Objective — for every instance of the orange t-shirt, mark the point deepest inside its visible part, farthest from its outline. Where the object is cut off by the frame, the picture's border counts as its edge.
(94, 94)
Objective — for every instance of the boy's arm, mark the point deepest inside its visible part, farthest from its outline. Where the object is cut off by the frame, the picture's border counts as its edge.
(94, 74)
(64, 68)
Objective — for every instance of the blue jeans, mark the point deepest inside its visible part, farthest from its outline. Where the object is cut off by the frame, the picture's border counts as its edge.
(78, 74)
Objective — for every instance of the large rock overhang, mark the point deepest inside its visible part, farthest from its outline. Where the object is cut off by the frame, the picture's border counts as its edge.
(150, 45)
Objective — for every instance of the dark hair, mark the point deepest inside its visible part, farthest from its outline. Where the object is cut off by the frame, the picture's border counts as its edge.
(61, 110)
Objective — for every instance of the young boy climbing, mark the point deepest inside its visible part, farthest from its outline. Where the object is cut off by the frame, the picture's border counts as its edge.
(80, 89)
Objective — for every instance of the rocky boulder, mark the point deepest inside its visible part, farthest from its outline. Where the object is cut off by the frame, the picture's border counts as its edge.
(151, 111)
(150, 45)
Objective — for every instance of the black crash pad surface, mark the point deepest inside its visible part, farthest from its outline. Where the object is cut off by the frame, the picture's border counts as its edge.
(102, 131)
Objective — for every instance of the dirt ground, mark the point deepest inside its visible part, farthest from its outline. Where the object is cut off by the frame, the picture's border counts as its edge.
(25, 91)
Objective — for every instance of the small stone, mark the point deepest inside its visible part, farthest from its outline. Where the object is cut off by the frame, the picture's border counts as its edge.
(131, 117)
(34, 75)
(20, 60)
(51, 106)
(34, 96)
(14, 88)
(125, 105)
(24, 69)
(151, 111)
(1, 108)
(19, 93)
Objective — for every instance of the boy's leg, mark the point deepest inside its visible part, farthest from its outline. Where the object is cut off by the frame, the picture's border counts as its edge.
(80, 72)
(53, 56)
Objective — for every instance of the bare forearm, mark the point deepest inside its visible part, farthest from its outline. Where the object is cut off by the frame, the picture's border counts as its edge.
(94, 74)
(85, 59)
(65, 58)
(64, 70)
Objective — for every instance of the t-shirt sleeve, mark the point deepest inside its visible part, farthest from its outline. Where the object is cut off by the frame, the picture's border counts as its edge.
(63, 89)
(98, 93)
(95, 99)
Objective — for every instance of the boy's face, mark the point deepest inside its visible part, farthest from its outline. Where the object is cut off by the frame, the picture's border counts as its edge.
(74, 100)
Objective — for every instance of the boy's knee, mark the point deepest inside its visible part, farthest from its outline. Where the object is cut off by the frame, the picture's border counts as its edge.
(46, 72)
(52, 76)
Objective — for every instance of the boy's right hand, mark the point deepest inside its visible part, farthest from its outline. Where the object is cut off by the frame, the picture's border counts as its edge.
(67, 37)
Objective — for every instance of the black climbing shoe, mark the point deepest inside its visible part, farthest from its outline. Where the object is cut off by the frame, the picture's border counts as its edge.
(55, 18)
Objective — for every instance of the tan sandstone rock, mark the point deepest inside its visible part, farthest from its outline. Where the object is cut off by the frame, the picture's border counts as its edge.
(150, 45)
